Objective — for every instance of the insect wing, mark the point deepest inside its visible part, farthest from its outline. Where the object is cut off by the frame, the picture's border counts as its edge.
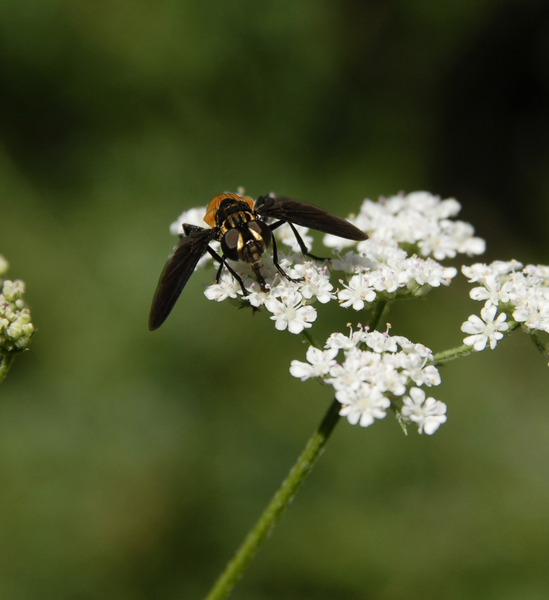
(180, 266)
(307, 215)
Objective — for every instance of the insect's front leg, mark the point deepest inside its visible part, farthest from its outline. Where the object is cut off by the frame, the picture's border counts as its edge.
(223, 263)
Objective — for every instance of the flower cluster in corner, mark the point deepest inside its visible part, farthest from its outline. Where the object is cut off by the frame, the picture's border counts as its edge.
(16, 328)
(408, 235)
(378, 372)
(508, 289)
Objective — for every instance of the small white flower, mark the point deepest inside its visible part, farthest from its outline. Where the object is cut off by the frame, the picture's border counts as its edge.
(381, 342)
(256, 297)
(506, 266)
(428, 413)
(356, 368)
(320, 363)
(414, 368)
(290, 313)
(316, 282)
(486, 330)
(480, 271)
(340, 341)
(227, 287)
(388, 279)
(466, 242)
(476, 272)
(357, 293)
(489, 291)
(428, 272)
(438, 244)
(534, 313)
(363, 406)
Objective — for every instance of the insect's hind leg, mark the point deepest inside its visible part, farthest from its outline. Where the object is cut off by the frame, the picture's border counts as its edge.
(299, 239)
(280, 269)
(223, 263)
(302, 246)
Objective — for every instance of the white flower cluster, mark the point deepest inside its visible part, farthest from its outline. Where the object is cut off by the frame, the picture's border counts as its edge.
(514, 290)
(16, 327)
(420, 220)
(381, 268)
(375, 375)
(288, 301)
(399, 228)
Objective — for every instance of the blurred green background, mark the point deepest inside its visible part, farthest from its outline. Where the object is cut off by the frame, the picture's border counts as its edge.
(133, 463)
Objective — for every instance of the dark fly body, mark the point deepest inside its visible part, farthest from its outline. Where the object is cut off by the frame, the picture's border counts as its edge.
(239, 224)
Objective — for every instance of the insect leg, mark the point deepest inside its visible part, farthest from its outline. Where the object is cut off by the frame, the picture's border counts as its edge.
(221, 260)
(302, 246)
(276, 263)
(299, 239)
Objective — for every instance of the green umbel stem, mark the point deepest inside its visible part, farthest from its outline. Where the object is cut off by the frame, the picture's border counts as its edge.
(254, 540)
(276, 506)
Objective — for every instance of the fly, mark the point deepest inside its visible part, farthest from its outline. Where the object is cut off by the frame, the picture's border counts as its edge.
(239, 225)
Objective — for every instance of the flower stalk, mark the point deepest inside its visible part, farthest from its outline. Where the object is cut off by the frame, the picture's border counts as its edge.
(289, 488)
(5, 364)
(271, 515)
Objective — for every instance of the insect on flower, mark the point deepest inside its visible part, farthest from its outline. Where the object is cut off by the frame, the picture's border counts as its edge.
(239, 225)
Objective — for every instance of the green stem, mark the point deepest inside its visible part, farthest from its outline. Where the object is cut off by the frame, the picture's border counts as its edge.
(5, 363)
(276, 506)
(463, 350)
(540, 344)
(453, 353)
(271, 515)
(306, 333)
(379, 307)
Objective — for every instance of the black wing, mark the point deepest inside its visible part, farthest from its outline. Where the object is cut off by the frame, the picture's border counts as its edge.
(307, 215)
(180, 266)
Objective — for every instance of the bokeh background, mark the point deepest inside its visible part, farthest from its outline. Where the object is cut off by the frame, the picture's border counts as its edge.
(133, 463)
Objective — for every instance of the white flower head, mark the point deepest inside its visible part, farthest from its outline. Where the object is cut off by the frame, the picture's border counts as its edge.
(320, 363)
(534, 313)
(522, 292)
(16, 328)
(363, 406)
(428, 413)
(291, 313)
(227, 287)
(376, 372)
(486, 329)
(316, 282)
(357, 293)
(420, 219)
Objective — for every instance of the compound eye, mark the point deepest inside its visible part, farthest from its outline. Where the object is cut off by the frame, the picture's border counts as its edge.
(229, 244)
(263, 232)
